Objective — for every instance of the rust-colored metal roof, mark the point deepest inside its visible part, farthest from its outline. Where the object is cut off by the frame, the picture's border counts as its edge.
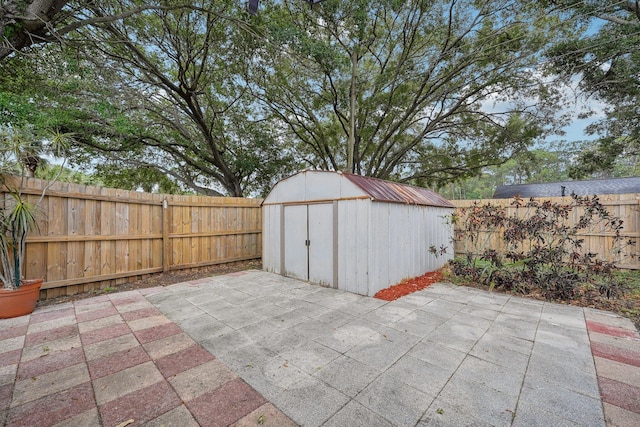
(393, 192)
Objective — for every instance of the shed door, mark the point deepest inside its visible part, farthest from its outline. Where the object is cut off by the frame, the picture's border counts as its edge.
(309, 242)
(296, 257)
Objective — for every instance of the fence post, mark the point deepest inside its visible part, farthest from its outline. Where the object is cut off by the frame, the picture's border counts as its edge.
(166, 243)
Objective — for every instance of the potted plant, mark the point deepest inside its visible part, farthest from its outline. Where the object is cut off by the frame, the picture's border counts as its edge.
(17, 219)
(20, 155)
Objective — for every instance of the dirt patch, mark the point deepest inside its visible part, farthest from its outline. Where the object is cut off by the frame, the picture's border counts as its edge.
(162, 279)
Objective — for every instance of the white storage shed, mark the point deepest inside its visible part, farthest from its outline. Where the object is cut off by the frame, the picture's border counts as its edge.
(351, 232)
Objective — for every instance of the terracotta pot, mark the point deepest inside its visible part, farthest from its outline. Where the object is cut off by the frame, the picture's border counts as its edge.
(21, 301)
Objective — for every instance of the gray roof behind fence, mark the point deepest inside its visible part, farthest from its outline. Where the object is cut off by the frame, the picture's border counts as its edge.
(566, 188)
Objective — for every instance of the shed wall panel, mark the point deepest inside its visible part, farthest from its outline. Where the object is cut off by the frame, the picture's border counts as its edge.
(321, 186)
(291, 190)
(379, 236)
(363, 210)
(353, 245)
(415, 228)
(271, 238)
(401, 236)
(348, 190)
(396, 244)
(347, 246)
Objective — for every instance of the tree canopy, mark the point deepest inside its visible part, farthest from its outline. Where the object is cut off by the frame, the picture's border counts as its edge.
(212, 100)
(25, 23)
(604, 56)
(158, 94)
(415, 91)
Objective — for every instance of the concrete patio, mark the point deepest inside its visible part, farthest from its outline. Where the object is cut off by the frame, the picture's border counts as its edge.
(255, 348)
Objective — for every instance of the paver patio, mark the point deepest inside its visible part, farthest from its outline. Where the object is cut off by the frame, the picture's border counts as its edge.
(260, 349)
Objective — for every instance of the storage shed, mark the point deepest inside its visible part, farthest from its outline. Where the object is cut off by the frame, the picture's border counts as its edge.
(351, 232)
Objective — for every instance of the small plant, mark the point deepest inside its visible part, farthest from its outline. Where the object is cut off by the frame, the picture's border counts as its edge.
(21, 152)
(541, 248)
(17, 219)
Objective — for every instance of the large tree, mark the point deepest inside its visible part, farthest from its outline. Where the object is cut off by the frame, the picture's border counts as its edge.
(417, 91)
(604, 57)
(159, 93)
(25, 23)
(423, 92)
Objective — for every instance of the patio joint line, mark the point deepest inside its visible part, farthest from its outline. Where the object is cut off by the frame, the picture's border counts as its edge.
(15, 377)
(526, 370)
(593, 359)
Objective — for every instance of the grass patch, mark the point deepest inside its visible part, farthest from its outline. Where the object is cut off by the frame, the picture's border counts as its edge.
(632, 280)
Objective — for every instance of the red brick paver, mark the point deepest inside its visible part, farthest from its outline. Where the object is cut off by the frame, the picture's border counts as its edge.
(615, 345)
(12, 332)
(49, 363)
(135, 406)
(616, 353)
(173, 364)
(611, 330)
(115, 358)
(53, 408)
(156, 332)
(50, 335)
(620, 394)
(226, 405)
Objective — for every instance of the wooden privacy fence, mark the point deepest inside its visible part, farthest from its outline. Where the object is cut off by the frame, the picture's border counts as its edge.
(93, 237)
(624, 206)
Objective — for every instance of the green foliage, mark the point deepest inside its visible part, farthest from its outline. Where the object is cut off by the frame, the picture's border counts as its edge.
(409, 84)
(219, 102)
(21, 154)
(607, 64)
(23, 148)
(157, 100)
(17, 218)
(532, 166)
(542, 248)
(52, 172)
(148, 179)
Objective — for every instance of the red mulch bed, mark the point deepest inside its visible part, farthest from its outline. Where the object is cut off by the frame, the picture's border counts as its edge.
(409, 286)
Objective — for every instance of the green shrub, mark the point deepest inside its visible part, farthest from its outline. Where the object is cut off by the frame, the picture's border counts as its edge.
(542, 248)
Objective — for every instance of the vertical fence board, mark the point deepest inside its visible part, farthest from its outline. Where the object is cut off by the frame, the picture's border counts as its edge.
(176, 228)
(56, 251)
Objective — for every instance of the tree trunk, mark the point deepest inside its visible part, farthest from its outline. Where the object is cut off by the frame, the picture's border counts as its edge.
(351, 142)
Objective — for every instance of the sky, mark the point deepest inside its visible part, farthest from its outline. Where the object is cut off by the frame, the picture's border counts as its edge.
(575, 131)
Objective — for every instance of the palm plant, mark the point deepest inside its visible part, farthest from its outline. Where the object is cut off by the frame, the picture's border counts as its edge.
(21, 151)
(17, 219)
